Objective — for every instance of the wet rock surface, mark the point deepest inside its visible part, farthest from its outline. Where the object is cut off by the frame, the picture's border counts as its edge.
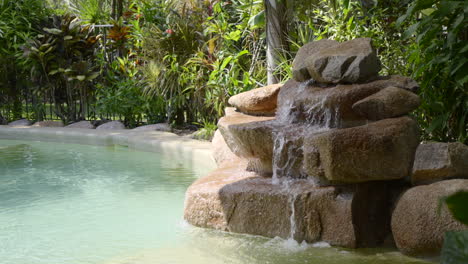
(379, 151)
(332, 162)
(418, 227)
(332, 106)
(237, 201)
(439, 161)
(260, 101)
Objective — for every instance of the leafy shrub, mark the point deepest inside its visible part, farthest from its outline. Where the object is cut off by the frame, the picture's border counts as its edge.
(64, 61)
(20, 20)
(439, 62)
(455, 249)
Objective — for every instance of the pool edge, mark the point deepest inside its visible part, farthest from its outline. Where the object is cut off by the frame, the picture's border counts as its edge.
(198, 153)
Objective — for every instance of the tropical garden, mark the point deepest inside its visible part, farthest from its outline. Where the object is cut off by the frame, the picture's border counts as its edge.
(152, 61)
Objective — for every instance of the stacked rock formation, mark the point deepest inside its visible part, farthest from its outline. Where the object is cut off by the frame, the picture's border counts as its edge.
(331, 162)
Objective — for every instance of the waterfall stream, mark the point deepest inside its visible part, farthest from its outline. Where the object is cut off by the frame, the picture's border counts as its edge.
(296, 120)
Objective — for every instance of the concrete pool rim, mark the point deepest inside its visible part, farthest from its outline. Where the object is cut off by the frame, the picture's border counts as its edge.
(196, 153)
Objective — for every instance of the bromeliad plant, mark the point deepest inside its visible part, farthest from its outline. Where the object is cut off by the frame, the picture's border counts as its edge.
(65, 64)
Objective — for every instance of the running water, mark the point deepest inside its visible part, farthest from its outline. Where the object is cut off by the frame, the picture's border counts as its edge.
(296, 119)
(292, 217)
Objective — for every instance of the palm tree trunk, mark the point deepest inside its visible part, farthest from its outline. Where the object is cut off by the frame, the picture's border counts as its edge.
(276, 29)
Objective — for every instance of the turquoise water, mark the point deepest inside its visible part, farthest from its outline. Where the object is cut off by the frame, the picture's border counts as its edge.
(65, 203)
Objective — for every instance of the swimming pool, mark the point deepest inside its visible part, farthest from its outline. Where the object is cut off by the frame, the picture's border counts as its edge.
(66, 203)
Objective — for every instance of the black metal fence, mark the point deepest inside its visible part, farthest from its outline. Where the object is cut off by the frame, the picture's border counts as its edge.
(28, 103)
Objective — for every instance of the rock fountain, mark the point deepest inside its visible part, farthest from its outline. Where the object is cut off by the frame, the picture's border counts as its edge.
(323, 157)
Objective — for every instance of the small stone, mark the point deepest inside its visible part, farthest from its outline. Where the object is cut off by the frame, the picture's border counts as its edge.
(48, 124)
(388, 103)
(417, 225)
(21, 122)
(113, 125)
(353, 61)
(260, 101)
(82, 124)
(440, 161)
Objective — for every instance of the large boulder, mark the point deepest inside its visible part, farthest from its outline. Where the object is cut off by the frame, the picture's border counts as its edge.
(48, 123)
(21, 122)
(303, 58)
(352, 61)
(113, 125)
(234, 200)
(164, 127)
(439, 161)
(379, 151)
(418, 225)
(260, 101)
(222, 154)
(82, 124)
(250, 137)
(331, 107)
(389, 102)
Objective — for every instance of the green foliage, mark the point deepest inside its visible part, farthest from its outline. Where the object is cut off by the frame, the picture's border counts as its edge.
(346, 20)
(199, 58)
(93, 11)
(458, 206)
(439, 61)
(64, 61)
(20, 20)
(207, 131)
(455, 249)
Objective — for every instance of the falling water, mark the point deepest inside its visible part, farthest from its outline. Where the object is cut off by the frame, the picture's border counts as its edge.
(295, 120)
(288, 139)
(292, 217)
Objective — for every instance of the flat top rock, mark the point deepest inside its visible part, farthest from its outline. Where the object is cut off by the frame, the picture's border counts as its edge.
(240, 118)
(48, 124)
(387, 103)
(438, 161)
(21, 122)
(82, 124)
(113, 125)
(261, 101)
(155, 127)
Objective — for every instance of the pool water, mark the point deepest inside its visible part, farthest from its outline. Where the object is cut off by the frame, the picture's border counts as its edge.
(74, 204)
